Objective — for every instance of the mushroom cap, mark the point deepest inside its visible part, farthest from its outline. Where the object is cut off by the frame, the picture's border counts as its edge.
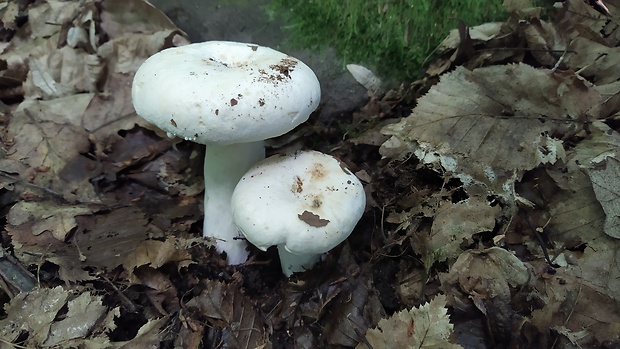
(308, 201)
(224, 92)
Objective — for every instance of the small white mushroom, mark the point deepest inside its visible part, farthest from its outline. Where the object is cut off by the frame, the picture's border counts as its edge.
(305, 203)
(230, 96)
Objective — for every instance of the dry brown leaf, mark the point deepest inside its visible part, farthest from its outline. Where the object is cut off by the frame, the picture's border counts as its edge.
(576, 214)
(480, 33)
(427, 326)
(605, 182)
(125, 54)
(122, 17)
(597, 268)
(595, 61)
(524, 8)
(227, 309)
(599, 155)
(148, 336)
(55, 218)
(33, 249)
(577, 18)
(47, 17)
(491, 124)
(156, 253)
(162, 293)
(83, 313)
(587, 205)
(546, 42)
(9, 12)
(32, 313)
(62, 72)
(353, 311)
(47, 138)
(109, 240)
(485, 280)
(487, 274)
(582, 296)
(455, 224)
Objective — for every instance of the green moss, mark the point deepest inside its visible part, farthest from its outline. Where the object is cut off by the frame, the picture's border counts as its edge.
(392, 37)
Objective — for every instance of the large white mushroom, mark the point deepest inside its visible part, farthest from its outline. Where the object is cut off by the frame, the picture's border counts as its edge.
(304, 203)
(230, 96)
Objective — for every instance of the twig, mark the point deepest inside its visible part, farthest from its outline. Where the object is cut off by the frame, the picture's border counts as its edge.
(15, 275)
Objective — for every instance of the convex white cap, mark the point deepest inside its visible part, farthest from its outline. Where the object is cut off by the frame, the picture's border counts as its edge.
(307, 201)
(224, 92)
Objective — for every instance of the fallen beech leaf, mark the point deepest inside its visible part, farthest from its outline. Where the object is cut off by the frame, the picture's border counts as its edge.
(47, 17)
(480, 33)
(83, 313)
(47, 216)
(491, 124)
(594, 60)
(32, 249)
(120, 17)
(455, 224)
(487, 274)
(354, 310)
(161, 292)
(62, 72)
(156, 253)
(109, 240)
(589, 282)
(427, 326)
(149, 335)
(126, 54)
(605, 182)
(46, 142)
(486, 279)
(588, 203)
(32, 312)
(233, 315)
(545, 41)
(9, 14)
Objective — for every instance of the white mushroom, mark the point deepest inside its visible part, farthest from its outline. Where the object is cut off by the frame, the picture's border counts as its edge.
(230, 96)
(305, 203)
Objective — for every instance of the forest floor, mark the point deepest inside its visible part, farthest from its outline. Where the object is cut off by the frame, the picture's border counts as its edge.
(492, 218)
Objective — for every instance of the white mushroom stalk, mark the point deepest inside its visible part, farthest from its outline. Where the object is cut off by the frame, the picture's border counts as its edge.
(304, 203)
(229, 96)
(224, 166)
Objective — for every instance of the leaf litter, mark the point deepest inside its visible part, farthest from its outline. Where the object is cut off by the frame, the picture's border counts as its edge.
(492, 218)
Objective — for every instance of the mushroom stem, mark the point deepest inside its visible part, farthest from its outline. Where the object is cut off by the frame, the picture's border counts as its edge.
(293, 263)
(223, 167)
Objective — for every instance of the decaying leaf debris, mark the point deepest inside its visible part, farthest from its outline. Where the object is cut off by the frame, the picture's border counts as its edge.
(493, 212)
